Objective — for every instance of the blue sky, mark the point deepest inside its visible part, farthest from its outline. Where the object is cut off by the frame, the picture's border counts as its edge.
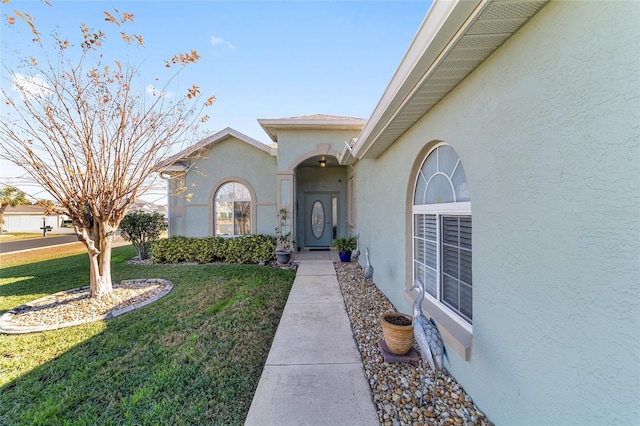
(260, 59)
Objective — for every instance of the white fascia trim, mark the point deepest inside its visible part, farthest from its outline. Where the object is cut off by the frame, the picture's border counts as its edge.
(311, 122)
(244, 138)
(345, 157)
(175, 168)
(441, 21)
(266, 126)
(272, 125)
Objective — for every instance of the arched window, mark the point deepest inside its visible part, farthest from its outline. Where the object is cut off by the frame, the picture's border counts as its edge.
(442, 233)
(232, 208)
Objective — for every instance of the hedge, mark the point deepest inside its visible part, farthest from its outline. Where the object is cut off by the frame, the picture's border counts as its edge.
(245, 249)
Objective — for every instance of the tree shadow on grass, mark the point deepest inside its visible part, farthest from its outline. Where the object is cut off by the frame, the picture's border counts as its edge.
(48, 276)
(175, 361)
(51, 276)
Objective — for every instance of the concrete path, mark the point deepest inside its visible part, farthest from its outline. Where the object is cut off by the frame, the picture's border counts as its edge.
(314, 373)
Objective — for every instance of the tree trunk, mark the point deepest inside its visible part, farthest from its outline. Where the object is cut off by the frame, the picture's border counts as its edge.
(3, 207)
(98, 242)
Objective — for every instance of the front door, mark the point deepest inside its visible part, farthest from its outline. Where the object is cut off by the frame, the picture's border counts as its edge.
(317, 219)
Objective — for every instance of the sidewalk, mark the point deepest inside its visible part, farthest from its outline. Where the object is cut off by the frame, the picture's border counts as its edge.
(313, 374)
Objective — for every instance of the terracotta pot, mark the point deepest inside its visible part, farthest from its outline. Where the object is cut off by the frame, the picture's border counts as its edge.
(399, 338)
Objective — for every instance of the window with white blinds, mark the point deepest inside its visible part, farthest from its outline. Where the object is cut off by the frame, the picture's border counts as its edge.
(442, 233)
(456, 264)
(426, 251)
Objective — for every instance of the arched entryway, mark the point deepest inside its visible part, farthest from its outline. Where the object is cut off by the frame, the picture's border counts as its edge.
(320, 201)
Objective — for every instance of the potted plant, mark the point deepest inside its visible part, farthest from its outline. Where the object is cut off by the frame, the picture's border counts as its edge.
(397, 331)
(284, 242)
(345, 245)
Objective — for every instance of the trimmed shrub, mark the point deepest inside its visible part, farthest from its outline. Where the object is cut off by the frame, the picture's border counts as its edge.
(251, 249)
(245, 249)
(170, 250)
(142, 229)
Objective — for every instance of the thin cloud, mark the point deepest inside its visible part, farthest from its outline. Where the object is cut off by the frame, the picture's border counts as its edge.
(34, 86)
(215, 41)
(152, 91)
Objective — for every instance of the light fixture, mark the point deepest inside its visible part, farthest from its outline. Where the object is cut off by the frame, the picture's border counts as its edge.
(323, 163)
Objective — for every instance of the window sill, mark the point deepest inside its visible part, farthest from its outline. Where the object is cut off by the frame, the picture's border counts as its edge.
(453, 334)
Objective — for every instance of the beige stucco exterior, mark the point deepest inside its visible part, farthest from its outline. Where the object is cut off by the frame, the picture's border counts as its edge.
(228, 157)
(300, 148)
(278, 176)
(547, 131)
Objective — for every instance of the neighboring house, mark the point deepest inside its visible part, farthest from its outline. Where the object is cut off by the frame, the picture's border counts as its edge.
(509, 135)
(29, 218)
(147, 207)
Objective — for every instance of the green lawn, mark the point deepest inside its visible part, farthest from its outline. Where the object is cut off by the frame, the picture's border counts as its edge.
(193, 357)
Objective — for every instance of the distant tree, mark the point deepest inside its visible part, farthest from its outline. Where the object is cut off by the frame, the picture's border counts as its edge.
(49, 206)
(142, 229)
(10, 196)
(90, 131)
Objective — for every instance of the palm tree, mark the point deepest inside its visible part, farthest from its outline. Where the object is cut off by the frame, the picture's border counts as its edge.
(10, 196)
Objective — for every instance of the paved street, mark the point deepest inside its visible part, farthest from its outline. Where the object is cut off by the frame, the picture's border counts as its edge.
(37, 243)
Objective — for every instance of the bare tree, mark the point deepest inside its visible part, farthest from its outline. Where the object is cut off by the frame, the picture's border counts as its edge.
(10, 196)
(81, 130)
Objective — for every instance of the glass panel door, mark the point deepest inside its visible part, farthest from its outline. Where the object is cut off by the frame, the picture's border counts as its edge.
(318, 219)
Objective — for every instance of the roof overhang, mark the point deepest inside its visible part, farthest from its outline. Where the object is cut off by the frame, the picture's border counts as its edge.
(455, 37)
(273, 126)
(346, 157)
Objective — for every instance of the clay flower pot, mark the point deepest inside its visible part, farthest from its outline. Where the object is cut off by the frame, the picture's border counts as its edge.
(397, 331)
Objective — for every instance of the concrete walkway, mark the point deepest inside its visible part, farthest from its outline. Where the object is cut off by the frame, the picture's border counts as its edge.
(314, 373)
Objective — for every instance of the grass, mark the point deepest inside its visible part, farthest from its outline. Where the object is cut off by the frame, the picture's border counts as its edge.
(193, 357)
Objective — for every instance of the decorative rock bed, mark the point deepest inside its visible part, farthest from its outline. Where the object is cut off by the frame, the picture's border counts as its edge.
(73, 307)
(395, 387)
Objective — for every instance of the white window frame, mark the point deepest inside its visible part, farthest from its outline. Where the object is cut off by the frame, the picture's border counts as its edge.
(233, 201)
(462, 208)
(351, 202)
(440, 210)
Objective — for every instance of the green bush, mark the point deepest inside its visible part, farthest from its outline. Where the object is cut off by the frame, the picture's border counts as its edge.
(245, 249)
(250, 249)
(170, 250)
(208, 250)
(142, 229)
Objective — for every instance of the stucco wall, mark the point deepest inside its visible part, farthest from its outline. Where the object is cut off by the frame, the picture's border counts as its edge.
(295, 145)
(547, 129)
(230, 159)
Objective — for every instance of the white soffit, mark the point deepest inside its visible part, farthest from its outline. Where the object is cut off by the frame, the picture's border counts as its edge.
(453, 40)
